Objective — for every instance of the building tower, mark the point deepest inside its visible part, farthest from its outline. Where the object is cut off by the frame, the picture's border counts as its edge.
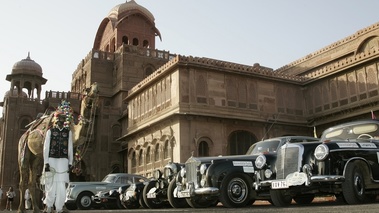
(123, 54)
(20, 107)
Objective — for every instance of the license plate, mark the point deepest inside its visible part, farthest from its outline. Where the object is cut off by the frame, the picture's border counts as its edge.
(282, 184)
(183, 194)
(151, 195)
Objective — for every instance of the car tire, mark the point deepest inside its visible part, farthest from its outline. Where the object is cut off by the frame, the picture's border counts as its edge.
(236, 190)
(84, 201)
(175, 202)
(119, 204)
(304, 199)
(141, 202)
(152, 203)
(279, 198)
(353, 188)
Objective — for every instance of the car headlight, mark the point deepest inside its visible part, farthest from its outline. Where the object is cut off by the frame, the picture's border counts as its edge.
(321, 152)
(260, 161)
(157, 174)
(268, 173)
(183, 172)
(203, 168)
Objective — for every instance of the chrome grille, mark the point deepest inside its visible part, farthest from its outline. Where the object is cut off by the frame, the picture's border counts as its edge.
(191, 171)
(287, 161)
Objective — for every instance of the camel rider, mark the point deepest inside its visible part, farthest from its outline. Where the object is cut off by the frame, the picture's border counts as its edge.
(58, 158)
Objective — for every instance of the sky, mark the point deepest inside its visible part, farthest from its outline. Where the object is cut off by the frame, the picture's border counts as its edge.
(273, 33)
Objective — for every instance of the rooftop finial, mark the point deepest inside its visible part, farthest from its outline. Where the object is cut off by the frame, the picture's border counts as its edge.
(28, 55)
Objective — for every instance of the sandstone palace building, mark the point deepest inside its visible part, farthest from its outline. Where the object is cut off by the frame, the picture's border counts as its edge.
(156, 106)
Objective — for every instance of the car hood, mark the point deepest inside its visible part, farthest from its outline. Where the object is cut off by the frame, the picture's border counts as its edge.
(89, 183)
(210, 159)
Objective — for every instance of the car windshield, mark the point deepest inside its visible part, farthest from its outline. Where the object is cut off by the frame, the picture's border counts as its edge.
(358, 131)
(109, 179)
(263, 147)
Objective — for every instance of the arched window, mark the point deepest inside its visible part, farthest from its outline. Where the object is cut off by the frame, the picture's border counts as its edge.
(134, 159)
(125, 40)
(148, 71)
(140, 159)
(116, 168)
(203, 149)
(157, 153)
(239, 142)
(165, 150)
(135, 41)
(145, 44)
(148, 155)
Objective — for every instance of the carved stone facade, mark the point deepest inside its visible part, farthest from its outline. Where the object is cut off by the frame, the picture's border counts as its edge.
(207, 101)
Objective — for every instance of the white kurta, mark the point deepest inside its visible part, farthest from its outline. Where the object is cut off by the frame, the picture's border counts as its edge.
(56, 179)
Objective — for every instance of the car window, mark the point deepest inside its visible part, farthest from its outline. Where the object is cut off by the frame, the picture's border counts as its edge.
(109, 179)
(263, 147)
(362, 131)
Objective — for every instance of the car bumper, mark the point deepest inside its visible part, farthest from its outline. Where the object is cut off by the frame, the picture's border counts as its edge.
(191, 191)
(312, 179)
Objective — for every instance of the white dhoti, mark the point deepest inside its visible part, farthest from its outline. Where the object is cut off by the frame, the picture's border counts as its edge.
(55, 183)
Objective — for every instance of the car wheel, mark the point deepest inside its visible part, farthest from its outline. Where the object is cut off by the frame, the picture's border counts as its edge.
(152, 203)
(201, 202)
(235, 191)
(142, 202)
(119, 205)
(279, 198)
(353, 188)
(304, 199)
(175, 202)
(84, 201)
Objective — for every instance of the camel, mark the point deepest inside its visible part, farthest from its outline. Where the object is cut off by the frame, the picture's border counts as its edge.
(30, 147)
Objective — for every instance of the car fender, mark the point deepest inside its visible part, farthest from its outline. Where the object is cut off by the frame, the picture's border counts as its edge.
(217, 171)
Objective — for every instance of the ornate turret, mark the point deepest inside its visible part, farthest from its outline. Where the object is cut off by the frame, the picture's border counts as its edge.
(127, 23)
(26, 74)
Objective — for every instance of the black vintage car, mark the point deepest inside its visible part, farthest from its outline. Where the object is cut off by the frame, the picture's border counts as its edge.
(131, 195)
(344, 164)
(110, 199)
(159, 192)
(229, 179)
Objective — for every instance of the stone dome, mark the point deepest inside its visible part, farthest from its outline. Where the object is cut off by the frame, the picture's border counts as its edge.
(118, 11)
(27, 66)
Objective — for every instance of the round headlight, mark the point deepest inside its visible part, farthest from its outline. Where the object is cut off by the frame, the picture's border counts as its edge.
(260, 161)
(321, 152)
(157, 174)
(183, 172)
(203, 168)
(268, 173)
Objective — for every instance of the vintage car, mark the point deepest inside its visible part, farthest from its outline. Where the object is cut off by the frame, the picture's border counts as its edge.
(205, 181)
(111, 199)
(79, 194)
(344, 164)
(131, 195)
(159, 192)
(108, 199)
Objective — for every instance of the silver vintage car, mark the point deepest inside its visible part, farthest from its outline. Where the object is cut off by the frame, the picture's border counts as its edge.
(79, 194)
